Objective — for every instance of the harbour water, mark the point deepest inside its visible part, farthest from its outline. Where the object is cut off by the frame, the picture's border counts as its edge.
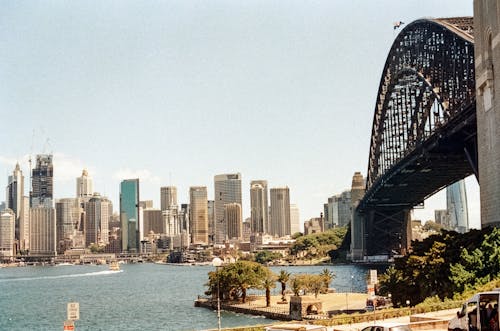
(138, 297)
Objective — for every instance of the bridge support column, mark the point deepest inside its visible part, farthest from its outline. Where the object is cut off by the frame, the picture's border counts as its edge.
(388, 231)
(357, 236)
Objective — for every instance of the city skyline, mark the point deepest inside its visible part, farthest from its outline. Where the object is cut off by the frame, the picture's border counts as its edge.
(261, 89)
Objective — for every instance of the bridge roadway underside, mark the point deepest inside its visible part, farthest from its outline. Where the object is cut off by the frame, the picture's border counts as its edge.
(446, 157)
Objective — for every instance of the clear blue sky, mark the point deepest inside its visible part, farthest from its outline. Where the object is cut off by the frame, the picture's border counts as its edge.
(175, 92)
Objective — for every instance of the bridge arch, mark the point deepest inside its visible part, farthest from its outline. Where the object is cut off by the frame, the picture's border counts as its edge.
(424, 130)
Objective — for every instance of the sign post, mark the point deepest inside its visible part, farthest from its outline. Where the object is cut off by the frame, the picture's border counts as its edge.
(73, 315)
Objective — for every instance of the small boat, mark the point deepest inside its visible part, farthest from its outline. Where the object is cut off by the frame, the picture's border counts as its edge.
(114, 266)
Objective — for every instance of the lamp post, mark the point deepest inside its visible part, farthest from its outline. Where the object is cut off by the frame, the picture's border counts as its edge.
(217, 262)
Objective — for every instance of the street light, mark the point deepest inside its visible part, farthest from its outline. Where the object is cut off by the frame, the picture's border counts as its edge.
(217, 262)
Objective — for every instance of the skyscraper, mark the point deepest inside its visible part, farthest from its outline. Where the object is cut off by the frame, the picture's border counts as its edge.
(15, 193)
(129, 215)
(234, 221)
(97, 219)
(7, 237)
(153, 221)
(294, 218)
(456, 204)
(43, 240)
(211, 221)
(259, 206)
(168, 197)
(68, 212)
(280, 212)
(84, 186)
(198, 214)
(227, 190)
(42, 182)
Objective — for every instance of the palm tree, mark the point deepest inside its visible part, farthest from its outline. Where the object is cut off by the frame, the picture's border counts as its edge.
(268, 283)
(327, 276)
(283, 278)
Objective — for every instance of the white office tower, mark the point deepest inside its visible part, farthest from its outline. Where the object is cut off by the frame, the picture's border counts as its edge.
(7, 233)
(24, 229)
(259, 207)
(227, 190)
(168, 197)
(280, 212)
(84, 186)
(456, 204)
(171, 223)
(43, 231)
(294, 218)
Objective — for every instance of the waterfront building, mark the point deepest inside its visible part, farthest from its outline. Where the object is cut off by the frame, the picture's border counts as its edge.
(487, 71)
(233, 219)
(280, 212)
(7, 233)
(168, 197)
(42, 182)
(84, 186)
(68, 213)
(198, 214)
(247, 230)
(43, 238)
(259, 206)
(14, 198)
(130, 215)
(456, 204)
(153, 221)
(227, 190)
(97, 218)
(294, 218)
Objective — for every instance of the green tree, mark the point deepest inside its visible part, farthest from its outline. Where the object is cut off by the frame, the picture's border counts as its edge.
(264, 257)
(268, 283)
(283, 278)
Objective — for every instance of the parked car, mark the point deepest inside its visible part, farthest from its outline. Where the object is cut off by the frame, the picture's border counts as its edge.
(387, 327)
(295, 327)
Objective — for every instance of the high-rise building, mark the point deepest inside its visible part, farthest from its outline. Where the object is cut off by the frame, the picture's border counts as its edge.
(233, 219)
(456, 204)
(43, 239)
(227, 190)
(97, 219)
(168, 197)
(24, 226)
(211, 221)
(42, 182)
(171, 223)
(68, 213)
(198, 214)
(7, 232)
(259, 206)
(280, 212)
(130, 215)
(15, 193)
(84, 186)
(441, 217)
(294, 218)
(153, 221)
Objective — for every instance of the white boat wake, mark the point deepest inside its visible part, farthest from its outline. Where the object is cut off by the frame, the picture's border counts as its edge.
(87, 274)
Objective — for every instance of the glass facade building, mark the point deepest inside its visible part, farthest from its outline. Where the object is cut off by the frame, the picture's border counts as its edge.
(129, 214)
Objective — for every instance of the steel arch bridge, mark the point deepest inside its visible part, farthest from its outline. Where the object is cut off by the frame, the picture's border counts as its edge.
(424, 130)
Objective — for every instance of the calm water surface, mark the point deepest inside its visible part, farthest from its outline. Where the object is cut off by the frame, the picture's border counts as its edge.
(139, 297)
